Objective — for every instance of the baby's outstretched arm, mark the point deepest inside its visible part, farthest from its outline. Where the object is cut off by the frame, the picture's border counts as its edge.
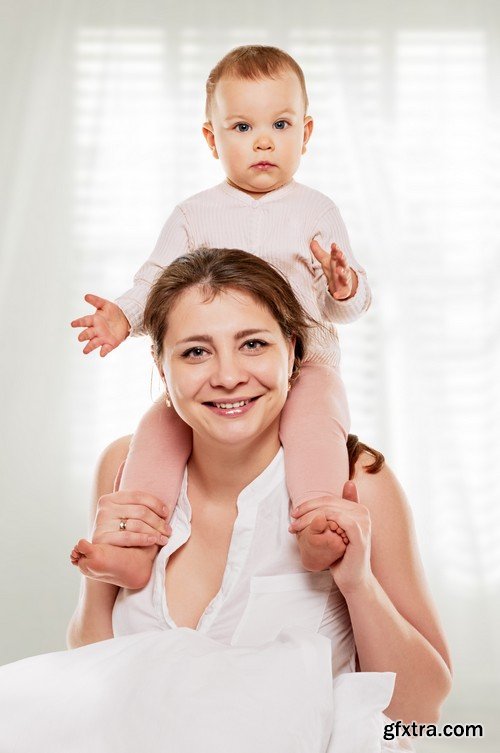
(105, 329)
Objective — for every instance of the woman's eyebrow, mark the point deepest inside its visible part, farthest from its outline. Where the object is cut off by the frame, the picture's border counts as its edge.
(209, 339)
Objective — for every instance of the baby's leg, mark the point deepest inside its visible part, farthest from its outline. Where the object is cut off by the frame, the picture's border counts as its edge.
(155, 464)
(158, 454)
(313, 432)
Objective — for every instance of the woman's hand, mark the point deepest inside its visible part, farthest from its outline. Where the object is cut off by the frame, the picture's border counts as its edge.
(123, 556)
(146, 520)
(353, 570)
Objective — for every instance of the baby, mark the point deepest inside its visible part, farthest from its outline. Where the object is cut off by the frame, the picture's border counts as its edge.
(256, 124)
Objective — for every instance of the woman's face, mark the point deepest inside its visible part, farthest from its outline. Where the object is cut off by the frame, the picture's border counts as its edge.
(227, 366)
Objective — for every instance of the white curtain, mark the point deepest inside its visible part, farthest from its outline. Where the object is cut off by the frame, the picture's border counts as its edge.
(102, 104)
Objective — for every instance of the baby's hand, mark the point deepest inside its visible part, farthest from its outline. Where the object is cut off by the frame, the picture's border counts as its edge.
(105, 329)
(342, 280)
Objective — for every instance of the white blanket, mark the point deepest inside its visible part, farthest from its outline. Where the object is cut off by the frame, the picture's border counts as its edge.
(181, 692)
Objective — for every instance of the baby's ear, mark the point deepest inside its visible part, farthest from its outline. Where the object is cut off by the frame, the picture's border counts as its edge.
(208, 132)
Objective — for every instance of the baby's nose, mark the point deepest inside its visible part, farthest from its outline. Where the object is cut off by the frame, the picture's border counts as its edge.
(263, 142)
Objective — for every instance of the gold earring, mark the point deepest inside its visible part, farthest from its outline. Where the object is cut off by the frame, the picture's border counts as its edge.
(289, 384)
(167, 400)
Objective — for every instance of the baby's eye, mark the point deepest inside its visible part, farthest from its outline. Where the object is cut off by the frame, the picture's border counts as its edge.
(280, 125)
(194, 353)
(242, 127)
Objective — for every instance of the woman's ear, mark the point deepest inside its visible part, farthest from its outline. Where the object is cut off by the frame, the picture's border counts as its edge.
(291, 355)
(208, 132)
(158, 365)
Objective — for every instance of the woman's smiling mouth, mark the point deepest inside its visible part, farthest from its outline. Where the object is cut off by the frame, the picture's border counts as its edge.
(233, 407)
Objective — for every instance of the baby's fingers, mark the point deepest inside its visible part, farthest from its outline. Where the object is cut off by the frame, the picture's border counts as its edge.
(319, 253)
(83, 321)
(338, 257)
(96, 342)
(96, 300)
(105, 349)
(87, 334)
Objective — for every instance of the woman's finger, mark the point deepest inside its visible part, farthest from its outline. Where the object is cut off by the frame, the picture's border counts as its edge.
(138, 513)
(129, 538)
(333, 503)
(350, 491)
(132, 525)
(138, 498)
(323, 513)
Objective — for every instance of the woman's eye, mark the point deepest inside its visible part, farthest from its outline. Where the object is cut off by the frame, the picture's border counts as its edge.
(255, 344)
(194, 353)
(281, 124)
(242, 127)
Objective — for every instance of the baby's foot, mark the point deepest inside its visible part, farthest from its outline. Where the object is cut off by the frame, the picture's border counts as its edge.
(127, 567)
(321, 543)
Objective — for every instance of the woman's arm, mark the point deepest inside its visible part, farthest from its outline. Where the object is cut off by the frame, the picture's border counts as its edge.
(91, 621)
(395, 623)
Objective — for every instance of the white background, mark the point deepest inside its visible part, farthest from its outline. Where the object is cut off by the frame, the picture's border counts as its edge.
(102, 104)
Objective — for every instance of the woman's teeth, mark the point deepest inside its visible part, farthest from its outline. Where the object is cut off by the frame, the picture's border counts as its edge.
(232, 405)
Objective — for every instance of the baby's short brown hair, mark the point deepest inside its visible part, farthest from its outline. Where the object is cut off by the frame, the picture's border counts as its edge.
(253, 61)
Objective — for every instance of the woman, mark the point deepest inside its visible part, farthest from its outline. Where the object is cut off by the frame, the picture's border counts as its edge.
(228, 336)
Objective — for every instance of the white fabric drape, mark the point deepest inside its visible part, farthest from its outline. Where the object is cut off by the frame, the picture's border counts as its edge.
(102, 104)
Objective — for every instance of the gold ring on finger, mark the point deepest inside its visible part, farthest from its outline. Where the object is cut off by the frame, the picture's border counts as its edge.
(123, 524)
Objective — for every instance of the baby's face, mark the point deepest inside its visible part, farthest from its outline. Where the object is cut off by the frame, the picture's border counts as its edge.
(258, 131)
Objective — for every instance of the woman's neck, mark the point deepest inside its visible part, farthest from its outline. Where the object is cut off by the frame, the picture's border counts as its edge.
(219, 474)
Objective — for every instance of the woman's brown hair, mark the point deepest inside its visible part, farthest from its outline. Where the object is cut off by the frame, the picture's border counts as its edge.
(216, 270)
(355, 449)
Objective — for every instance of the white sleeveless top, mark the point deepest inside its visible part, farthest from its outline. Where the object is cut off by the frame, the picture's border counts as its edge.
(264, 587)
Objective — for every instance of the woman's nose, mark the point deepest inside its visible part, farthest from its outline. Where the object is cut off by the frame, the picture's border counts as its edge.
(228, 373)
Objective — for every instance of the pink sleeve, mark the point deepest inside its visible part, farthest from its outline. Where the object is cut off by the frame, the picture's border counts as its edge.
(172, 243)
(313, 431)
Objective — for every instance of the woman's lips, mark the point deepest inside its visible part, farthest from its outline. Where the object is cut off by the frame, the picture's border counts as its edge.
(236, 410)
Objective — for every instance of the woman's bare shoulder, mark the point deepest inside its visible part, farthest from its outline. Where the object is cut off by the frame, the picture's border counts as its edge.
(110, 461)
(381, 492)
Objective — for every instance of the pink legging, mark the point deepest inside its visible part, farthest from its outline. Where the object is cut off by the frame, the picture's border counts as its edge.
(313, 432)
